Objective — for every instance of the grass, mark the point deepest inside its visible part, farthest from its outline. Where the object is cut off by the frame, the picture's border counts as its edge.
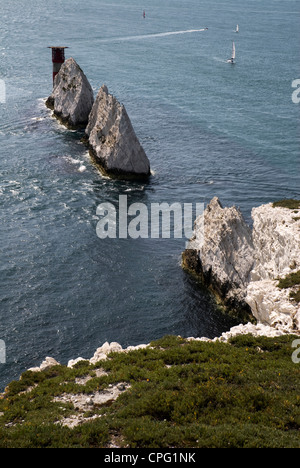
(290, 281)
(290, 204)
(293, 279)
(183, 394)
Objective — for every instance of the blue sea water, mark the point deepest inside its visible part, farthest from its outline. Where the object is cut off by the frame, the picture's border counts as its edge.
(208, 128)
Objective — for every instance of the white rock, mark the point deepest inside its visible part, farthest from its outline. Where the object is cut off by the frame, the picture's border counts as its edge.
(72, 97)
(244, 266)
(34, 369)
(46, 364)
(73, 362)
(98, 357)
(203, 338)
(102, 352)
(134, 348)
(82, 404)
(271, 305)
(276, 238)
(250, 328)
(224, 245)
(112, 139)
(111, 348)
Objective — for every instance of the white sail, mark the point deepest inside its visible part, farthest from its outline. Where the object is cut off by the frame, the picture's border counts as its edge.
(237, 28)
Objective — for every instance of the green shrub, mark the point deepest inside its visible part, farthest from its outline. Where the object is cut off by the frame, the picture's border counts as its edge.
(244, 393)
(290, 204)
(293, 279)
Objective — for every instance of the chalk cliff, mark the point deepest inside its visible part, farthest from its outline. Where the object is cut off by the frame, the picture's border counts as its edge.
(276, 239)
(72, 97)
(222, 255)
(112, 139)
(243, 267)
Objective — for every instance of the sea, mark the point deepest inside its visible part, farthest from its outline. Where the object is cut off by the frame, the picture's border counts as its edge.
(209, 129)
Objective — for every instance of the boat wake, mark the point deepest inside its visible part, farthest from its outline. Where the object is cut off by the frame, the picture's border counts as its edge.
(150, 36)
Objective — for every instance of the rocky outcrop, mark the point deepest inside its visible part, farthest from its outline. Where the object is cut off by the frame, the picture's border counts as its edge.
(46, 364)
(85, 405)
(222, 255)
(101, 354)
(243, 267)
(109, 132)
(255, 330)
(276, 238)
(273, 306)
(72, 97)
(112, 140)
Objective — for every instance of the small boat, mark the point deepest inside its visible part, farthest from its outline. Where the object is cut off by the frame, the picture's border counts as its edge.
(144, 14)
(233, 55)
(237, 28)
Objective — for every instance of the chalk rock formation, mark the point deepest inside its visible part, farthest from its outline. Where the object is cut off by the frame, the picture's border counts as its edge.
(242, 267)
(47, 364)
(276, 237)
(255, 330)
(222, 255)
(273, 306)
(72, 97)
(102, 352)
(250, 329)
(112, 139)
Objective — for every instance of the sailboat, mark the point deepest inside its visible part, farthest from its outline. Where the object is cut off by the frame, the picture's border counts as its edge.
(237, 28)
(232, 60)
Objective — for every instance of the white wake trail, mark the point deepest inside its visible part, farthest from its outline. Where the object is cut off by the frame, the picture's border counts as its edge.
(149, 36)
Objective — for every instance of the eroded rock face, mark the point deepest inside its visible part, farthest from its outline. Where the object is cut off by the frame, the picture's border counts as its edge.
(112, 139)
(102, 352)
(276, 237)
(272, 306)
(72, 97)
(224, 256)
(244, 267)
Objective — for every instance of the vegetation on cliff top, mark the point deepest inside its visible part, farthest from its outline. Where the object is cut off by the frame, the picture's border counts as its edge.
(291, 204)
(182, 394)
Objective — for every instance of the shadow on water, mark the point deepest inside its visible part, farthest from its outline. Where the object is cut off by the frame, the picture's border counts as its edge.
(202, 314)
